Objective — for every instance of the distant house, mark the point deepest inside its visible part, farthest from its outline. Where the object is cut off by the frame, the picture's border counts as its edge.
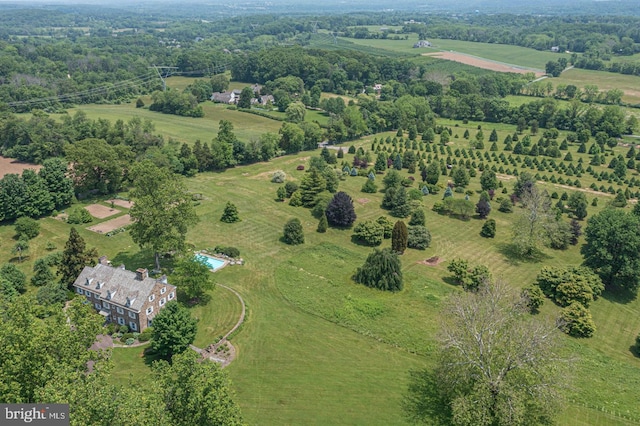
(124, 297)
(226, 97)
(263, 100)
(555, 48)
(422, 43)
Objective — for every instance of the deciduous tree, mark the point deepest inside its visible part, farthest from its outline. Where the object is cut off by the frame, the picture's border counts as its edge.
(193, 278)
(162, 210)
(340, 211)
(173, 330)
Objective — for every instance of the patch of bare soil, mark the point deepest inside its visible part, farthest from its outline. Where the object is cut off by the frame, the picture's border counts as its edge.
(363, 200)
(99, 211)
(122, 203)
(110, 225)
(10, 165)
(482, 63)
(504, 177)
(432, 261)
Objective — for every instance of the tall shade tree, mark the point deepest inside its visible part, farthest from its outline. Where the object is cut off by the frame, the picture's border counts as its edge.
(162, 209)
(74, 258)
(62, 341)
(534, 219)
(196, 392)
(612, 248)
(173, 330)
(96, 165)
(193, 278)
(54, 173)
(497, 364)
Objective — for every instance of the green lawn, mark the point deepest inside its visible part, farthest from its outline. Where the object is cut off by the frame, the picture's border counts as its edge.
(317, 348)
(629, 84)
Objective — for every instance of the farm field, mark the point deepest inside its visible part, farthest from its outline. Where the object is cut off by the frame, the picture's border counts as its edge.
(514, 55)
(317, 348)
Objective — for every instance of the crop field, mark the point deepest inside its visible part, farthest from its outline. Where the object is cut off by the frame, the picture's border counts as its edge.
(316, 348)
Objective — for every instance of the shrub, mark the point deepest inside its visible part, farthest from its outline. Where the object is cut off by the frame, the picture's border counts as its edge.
(381, 270)
(139, 103)
(506, 206)
(576, 321)
(533, 298)
(130, 341)
(369, 232)
(387, 226)
(488, 229)
(123, 329)
(323, 225)
(291, 187)
(296, 199)
(293, 233)
(27, 227)
(469, 279)
(278, 176)
(146, 334)
(570, 284)
(369, 187)
(418, 238)
(417, 218)
(321, 201)
(227, 251)
(79, 215)
(126, 336)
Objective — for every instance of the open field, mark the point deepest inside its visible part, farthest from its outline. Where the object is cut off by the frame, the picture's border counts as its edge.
(317, 348)
(99, 211)
(186, 129)
(475, 61)
(629, 84)
(10, 165)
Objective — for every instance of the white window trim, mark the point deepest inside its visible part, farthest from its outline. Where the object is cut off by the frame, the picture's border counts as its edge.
(163, 290)
(96, 295)
(171, 296)
(152, 298)
(131, 314)
(133, 326)
(106, 305)
(97, 306)
(119, 310)
(80, 291)
(121, 321)
(149, 310)
(162, 301)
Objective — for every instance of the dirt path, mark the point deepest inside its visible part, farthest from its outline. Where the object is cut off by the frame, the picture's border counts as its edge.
(483, 63)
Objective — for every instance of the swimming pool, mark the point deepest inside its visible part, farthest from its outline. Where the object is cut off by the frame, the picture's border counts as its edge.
(212, 262)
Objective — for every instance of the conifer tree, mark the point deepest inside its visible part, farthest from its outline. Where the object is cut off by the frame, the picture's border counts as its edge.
(230, 214)
(74, 258)
(399, 237)
(323, 224)
(42, 274)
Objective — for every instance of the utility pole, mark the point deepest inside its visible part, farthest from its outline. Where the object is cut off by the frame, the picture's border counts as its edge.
(166, 74)
(315, 26)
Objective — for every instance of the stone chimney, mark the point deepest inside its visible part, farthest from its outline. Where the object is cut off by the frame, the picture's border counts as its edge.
(103, 260)
(142, 274)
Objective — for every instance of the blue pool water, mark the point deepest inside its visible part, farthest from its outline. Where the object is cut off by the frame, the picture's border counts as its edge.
(211, 262)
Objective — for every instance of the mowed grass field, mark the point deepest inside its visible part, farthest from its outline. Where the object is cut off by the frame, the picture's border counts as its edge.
(316, 348)
(629, 84)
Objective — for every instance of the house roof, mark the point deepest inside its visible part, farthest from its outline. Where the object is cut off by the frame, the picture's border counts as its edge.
(119, 286)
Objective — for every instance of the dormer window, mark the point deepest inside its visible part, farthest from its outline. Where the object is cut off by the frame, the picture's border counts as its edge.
(89, 281)
(129, 302)
(110, 294)
(99, 285)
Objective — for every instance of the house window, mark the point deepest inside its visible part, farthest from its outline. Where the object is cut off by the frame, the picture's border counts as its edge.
(96, 295)
(131, 314)
(163, 291)
(149, 310)
(120, 310)
(133, 326)
(106, 305)
(80, 291)
(120, 320)
(163, 301)
(152, 298)
(149, 323)
(171, 296)
(97, 305)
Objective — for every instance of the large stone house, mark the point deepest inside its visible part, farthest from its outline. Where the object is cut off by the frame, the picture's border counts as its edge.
(124, 297)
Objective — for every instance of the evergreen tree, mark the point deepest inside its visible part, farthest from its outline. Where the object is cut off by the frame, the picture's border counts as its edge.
(417, 217)
(381, 270)
(13, 278)
(281, 193)
(323, 224)
(399, 237)
(42, 274)
(381, 162)
(488, 229)
(74, 258)
(230, 214)
(483, 208)
(56, 179)
(311, 185)
(493, 137)
(293, 233)
(369, 187)
(340, 211)
(397, 162)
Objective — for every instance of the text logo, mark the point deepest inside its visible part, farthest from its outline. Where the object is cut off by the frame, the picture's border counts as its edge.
(34, 414)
